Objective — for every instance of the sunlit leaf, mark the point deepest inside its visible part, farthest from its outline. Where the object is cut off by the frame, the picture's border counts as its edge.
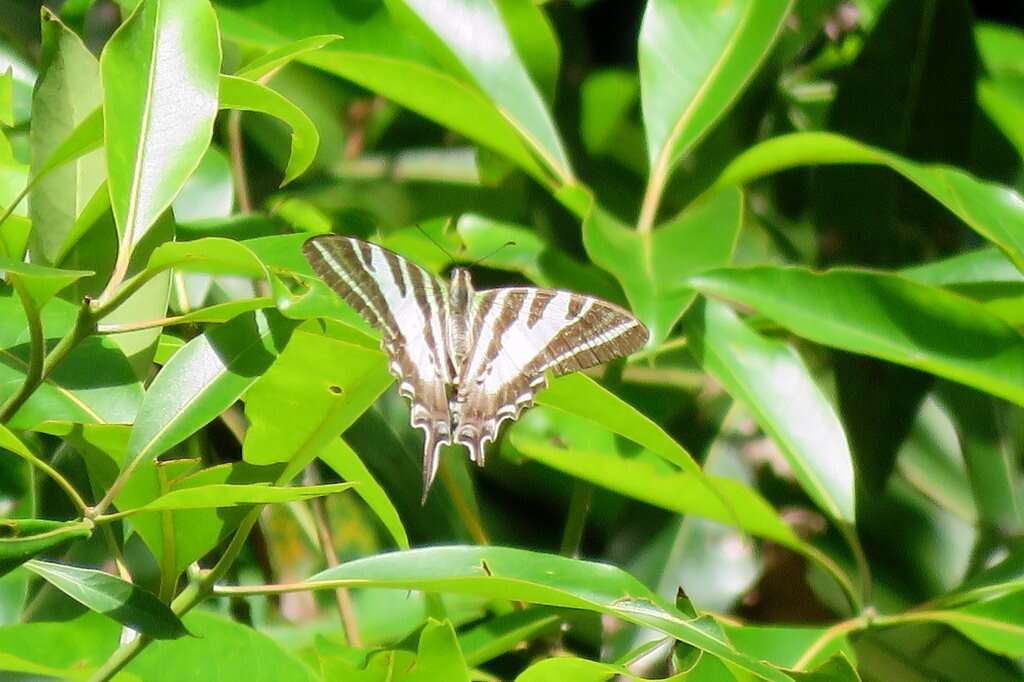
(204, 378)
(66, 95)
(993, 211)
(884, 316)
(505, 573)
(773, 382)
(240, 93)
(653, 267)
(159, 74)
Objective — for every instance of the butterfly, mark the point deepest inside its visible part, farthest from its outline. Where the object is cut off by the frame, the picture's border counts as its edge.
(469, 360)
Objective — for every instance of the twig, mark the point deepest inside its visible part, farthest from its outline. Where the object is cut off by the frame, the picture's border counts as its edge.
(323, 530)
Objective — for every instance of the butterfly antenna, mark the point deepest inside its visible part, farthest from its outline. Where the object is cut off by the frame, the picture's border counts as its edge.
(481, 260)
(435, 243)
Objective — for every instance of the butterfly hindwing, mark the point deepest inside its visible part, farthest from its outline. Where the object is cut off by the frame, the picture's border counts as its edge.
(519, 333)
(409, 307)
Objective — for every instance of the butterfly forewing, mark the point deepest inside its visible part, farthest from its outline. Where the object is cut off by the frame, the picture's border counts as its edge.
(509, 338)
(409, 307)
(519, 334)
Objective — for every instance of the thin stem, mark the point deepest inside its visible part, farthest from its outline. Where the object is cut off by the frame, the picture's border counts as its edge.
(837, 630)
(58, 478)
(579, 507)
(14, 204)
(237, 152)
(85, 326)
(37, 349)
(845, 584)
(346, 610)
(863, 567)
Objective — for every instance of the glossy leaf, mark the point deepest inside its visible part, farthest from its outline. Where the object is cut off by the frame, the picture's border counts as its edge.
(22, 539)
(212, 255)
(994, 624)
(230, 495)
(205, 378)
(273, 60)
(95, 384)
(695, 59)
(473, 37)
(884, 316)
(653, 267)
(504, 573)
(240, 93)
(772, 380)
(67, 93)
(159, 74)
(993, 211)
(113, 597)
(41, 282)
(719, 499)
(436, 95)
(504, 633)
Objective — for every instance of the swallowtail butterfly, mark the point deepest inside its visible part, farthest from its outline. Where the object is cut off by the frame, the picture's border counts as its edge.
(469, 360)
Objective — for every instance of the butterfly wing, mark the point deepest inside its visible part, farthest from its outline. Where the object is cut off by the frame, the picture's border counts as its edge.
(519, 333)
(408, 306)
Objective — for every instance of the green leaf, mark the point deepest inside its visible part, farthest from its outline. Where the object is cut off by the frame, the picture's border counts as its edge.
(788, 646)
(6, 97)
(606, 100)
(95, 383)
(884, 316)
(254, 657)
(205, 378)
(576, 669)
(993, 211)
(346, 463)
(22, 539)
(209, 194)
(537, 259)
(318, 387)
(66, 96)
(42, 282)
(436, 95)
(113, 597)
(212, 255)
(579, 395)
(439, 656)
(504, 633)
(682, 492)
(217, 495)
(275, 59)
(76, 644)
(181, 537)
(520, 575)
(653, 266)
(695, 58)
(239, 93)
(994, 624)
(471, 37)
(159, 73)
(773, 382)
(987, 453)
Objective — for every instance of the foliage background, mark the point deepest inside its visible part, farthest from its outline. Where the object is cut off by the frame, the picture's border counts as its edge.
(813, 472)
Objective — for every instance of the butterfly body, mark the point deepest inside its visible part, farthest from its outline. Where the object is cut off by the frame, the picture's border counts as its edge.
(469, 361)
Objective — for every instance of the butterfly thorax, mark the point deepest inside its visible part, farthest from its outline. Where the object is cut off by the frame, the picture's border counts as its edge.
(460, 309)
